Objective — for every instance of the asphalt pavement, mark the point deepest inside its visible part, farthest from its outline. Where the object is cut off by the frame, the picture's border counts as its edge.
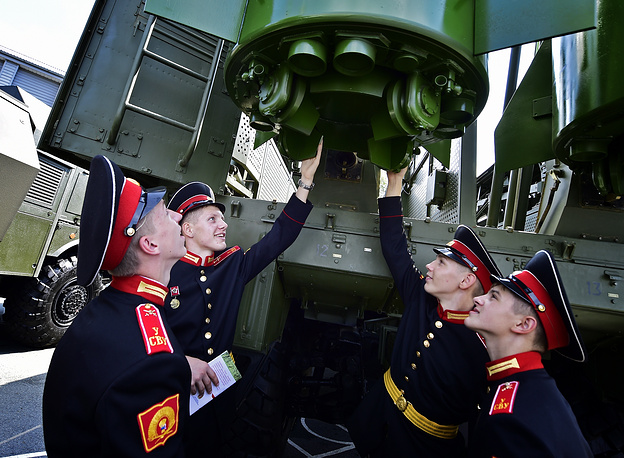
(22, 375)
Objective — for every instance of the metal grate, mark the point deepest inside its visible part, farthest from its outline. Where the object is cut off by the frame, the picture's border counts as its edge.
(44, 189)
(276, 182)
(449, 212)
(244, 151)
(415, 205)
(265, 164)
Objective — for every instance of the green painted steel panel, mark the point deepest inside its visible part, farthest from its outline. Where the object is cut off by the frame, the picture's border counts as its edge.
(64, 235)
(263, 311)
(588, 99)
(450, 21)
(147, 148)
(523, 135)
(220, 18)
(18, 157)
(503, 24)
(22, 245)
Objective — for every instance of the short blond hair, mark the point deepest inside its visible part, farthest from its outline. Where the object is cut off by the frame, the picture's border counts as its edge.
(522, 307)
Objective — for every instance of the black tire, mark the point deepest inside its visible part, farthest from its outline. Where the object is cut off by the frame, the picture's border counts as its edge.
(39, 310)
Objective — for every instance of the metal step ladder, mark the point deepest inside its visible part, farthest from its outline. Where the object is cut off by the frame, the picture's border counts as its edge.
(129, 87)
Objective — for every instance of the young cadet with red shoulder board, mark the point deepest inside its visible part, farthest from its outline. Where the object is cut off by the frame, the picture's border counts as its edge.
(522, 413)
(118, 383)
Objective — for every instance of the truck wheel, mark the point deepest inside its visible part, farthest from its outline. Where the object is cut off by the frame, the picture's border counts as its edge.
(39, 312)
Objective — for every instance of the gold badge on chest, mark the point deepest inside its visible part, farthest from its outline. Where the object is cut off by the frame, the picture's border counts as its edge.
(175, 292)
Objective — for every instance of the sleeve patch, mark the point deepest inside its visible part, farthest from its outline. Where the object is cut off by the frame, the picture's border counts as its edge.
(153, 329)
(159, 422)
(504, 399)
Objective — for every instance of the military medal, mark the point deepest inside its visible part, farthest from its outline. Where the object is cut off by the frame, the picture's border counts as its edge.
(175, 302)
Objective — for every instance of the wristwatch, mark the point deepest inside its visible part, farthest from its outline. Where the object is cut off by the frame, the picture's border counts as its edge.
(301, 184)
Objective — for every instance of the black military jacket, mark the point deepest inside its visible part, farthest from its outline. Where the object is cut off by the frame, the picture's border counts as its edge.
(203, 304)
(436, 361)
(522, 414)
(118, 383)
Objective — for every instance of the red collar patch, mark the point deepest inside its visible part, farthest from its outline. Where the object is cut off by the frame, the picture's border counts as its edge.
(159, 422)
(192, 259)
(153, 330)
(196, 260)
(452, 316)
(513, 364)
(147, 288)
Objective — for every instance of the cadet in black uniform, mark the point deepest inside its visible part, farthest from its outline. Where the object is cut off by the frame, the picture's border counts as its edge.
(433, 383)
(522, 413)
(207, 285)
(118, 383)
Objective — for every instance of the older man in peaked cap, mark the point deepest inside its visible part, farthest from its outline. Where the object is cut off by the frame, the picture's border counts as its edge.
(118, 383)
(522, 412)
(435, 376)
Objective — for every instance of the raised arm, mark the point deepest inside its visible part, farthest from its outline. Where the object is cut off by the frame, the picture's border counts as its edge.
(395, 182)
(308, 169)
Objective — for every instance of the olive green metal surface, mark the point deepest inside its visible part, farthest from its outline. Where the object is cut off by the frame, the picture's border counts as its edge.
(18, 157)
(514, 146)
(220, 18)
(263, 311)
(503, 24)
(23, 244)
(151, 142)
(588, 101)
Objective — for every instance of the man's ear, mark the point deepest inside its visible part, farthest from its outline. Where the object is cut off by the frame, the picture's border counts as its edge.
(187, 229)
(467, 280)
(524, 325)
(149, 245)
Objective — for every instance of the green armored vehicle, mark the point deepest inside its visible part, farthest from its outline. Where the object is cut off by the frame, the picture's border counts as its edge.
(42, 198)
(159, 89)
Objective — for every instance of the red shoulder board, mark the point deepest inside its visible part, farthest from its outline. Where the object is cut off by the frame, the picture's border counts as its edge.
(223, 256)
(159, 422)
(153, 330)
(504, 399)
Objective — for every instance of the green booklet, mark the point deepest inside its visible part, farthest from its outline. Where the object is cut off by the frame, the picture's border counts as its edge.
(227, 373)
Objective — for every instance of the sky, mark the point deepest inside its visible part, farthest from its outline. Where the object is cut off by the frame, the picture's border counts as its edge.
(48, 31)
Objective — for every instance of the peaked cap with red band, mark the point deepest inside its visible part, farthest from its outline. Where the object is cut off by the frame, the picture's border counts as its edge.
(112, 207)
(466, 248)
(193, 195)
(540, 285)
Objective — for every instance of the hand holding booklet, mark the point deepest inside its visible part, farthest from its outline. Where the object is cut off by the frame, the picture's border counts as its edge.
(227, 373)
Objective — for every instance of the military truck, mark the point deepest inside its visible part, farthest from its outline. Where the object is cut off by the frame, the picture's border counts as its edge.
(39, 228)
(158, 88)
